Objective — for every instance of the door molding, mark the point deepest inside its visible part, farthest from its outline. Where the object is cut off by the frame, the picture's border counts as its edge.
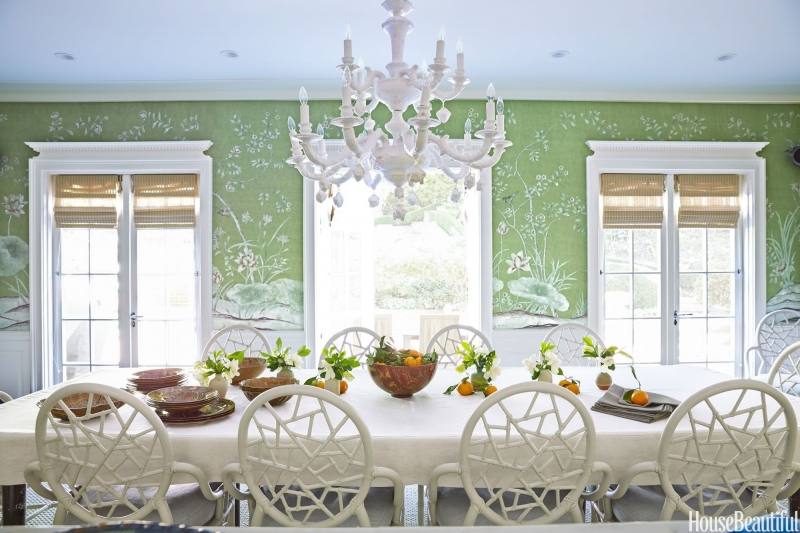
(151, 157)
(683, 157)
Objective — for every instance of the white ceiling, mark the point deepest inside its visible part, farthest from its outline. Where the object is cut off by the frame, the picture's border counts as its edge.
(618, 49)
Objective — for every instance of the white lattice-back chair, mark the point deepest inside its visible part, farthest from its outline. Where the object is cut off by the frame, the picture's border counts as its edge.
(115, 464)
(312, 459)
(785, 372)
(356, 341)
(568, 341)
(728, 448)
(527, 454)
(775, 331)
(447, 341)
(235, 338)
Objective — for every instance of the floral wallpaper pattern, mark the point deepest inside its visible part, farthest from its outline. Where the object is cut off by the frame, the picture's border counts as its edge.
(539, 204)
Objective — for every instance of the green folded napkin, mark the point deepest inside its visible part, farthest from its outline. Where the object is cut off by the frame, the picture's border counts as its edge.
(611, 403)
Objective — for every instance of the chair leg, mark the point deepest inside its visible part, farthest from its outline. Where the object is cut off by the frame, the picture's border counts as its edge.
(472, 515)
(256, 515)
(421, 505)
(363, 517)
(60, 516)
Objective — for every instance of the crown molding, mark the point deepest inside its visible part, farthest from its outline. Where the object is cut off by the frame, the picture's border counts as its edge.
(222, 90)
(152, 150)
(693, 150)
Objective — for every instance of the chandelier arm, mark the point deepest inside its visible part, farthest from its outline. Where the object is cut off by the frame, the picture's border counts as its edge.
(369, 80)
(455, 89)
(463, 172)
(468, 157)
(490, 161)
(359, 148)
(315, 158)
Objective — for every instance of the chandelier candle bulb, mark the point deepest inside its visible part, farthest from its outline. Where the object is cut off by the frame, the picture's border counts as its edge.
(501, 119)
(490, 105)
(304, 114)
(348, 44)
(459, 55)
(440, 47)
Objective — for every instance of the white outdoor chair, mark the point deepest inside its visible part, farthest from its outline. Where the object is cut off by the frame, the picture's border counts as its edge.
(775, 331)
(568, 341)
(727, 448)
(527, 454)
(785, 372)
(5, 397)
(235, 338)
(356, 341)
(447, 341)
(115, 465)
(312, 459)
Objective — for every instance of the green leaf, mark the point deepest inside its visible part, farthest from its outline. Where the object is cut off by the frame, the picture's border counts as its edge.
(587, 340)
(236, 356)
(304, 351)
(627, 396)
(449, 390)
(311, 381)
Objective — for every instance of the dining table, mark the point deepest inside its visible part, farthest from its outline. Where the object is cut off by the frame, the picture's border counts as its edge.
(409, 435)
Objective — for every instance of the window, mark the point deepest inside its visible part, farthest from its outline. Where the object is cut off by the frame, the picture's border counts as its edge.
(133, 305)
(676, 274)
(121, 235)
(402, 278)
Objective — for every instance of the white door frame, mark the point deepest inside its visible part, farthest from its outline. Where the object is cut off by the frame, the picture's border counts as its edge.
(309, 248)
(151, 157)
(686, 157)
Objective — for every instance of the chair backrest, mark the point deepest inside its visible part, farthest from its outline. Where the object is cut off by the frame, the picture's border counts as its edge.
(775, 331)
(312, 457)
(356, 341)
(5, 397)
(527, 454)
(568, 341)
(447, 341)
(237, 337)
(92, 461)
(429, 326)
(785, 372)
(727, 448)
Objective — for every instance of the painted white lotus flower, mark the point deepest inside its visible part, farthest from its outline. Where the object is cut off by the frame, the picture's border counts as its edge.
(518, 261)
(502, 228)
(13, 255)
(14, 205)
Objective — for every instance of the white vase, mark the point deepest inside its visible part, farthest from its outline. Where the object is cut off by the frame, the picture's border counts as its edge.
(546, 376)
(219, 384)
(333, 385)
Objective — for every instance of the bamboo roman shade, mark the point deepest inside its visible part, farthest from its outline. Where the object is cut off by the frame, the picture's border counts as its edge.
(632, 200)
(85, 201)
(165, 200)
(708, 200)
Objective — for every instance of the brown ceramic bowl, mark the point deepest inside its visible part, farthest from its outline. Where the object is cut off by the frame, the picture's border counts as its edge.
(255, 386)
(249, 368)
(402, 381)
(79, 404)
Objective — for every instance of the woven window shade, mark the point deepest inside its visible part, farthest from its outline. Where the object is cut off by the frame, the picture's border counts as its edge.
(632, 200)
(85, 201)
(708, 200)
(165, 200)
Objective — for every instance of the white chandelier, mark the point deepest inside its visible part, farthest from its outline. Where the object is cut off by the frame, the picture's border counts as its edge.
(401, 150)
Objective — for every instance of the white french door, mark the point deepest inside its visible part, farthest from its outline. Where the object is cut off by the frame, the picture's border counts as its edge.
(674, 294)
(125, 295)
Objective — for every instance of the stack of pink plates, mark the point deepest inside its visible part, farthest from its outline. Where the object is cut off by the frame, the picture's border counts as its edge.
(156, 378)
(188, 404)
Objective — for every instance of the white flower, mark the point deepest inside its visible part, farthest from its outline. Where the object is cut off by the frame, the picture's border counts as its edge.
(14, 205)
(199, 373)
(294, 361)
(327, 370)
(518, 261)
(606, 362)
(530, 364)
(246, 261)
(494, 372)
(502, 228)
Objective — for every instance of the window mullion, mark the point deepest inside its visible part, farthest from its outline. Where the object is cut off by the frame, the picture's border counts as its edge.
(127, 303)
(670, 277)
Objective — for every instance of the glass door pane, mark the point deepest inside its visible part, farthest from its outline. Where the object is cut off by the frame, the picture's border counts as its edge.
(706, 313)
(165, 296)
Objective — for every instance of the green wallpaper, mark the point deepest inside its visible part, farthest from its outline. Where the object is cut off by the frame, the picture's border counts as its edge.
(539, 207)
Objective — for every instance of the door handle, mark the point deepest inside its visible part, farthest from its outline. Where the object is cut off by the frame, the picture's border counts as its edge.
(134, 318)
(676, 315)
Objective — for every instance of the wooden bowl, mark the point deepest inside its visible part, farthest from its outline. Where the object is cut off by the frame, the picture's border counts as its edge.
(249, 368)
(402, 381)
(255, 386)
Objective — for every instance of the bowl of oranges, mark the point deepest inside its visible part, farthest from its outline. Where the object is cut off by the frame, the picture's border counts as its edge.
(401, 373)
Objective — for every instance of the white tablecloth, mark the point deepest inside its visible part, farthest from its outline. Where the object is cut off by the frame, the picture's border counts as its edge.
(411, 436)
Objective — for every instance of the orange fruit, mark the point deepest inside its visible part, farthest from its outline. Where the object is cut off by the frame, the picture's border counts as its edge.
(412, 361)
(574, 388)
(564, 382)
(414, 353)
(488, 390)
(319, 383)
(342, 387)
(465, 388)
(640, 397)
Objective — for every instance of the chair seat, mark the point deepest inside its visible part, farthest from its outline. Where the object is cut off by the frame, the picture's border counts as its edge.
(379, 505)
(644, 503)
(186, 503)
(453, 503)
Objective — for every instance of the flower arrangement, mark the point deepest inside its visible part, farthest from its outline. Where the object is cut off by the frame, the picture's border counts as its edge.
(593, 351)
(486, 365)
(280, 358)
(218, 370)
(546, 365)
(335, 366)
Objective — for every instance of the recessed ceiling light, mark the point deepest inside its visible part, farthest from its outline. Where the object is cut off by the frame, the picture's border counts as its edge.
(726, 57)
(65, 56)
(230, 54)
(558, 54)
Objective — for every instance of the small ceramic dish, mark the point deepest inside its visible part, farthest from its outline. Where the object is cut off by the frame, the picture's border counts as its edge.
(78, 404)
(255, 386)
(249, 368)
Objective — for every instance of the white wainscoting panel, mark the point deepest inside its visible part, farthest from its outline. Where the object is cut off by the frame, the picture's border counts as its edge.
(15, 360)
(514, 345)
